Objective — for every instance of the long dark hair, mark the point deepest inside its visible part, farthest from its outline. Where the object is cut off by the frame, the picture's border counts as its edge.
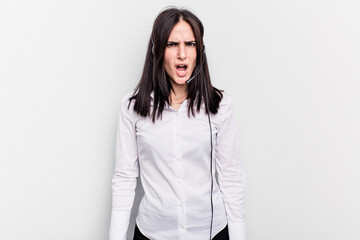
(154, 77)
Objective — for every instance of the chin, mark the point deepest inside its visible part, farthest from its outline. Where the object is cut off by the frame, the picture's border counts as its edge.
(179, 81)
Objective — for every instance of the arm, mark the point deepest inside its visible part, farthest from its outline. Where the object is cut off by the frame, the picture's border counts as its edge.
(125, 174)
(231, 173)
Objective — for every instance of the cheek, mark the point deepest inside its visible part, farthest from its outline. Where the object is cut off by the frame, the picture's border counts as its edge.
(194, 60)
(167, 62)
(167, 66)
(193, 57)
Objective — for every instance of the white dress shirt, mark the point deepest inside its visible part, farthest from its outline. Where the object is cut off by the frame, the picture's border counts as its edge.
(172, 157)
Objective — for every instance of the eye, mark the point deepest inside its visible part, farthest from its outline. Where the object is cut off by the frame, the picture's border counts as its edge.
(191, 44)
(171, 44)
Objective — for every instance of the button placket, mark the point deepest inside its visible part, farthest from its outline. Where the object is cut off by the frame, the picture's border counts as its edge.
(179, 177)
(178, 145)
(181, 216)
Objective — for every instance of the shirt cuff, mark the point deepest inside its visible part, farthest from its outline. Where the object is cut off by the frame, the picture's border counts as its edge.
(119, 225)
(237, 231)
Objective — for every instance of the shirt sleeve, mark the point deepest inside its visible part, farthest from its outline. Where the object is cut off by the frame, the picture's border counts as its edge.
(125, 173)
(231, 174)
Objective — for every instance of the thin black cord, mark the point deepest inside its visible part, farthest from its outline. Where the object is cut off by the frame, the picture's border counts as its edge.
(211, 161)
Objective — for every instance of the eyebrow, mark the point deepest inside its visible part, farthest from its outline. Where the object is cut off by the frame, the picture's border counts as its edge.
(185, 41)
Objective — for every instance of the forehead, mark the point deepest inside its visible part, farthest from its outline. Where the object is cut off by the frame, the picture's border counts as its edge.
(182, 31)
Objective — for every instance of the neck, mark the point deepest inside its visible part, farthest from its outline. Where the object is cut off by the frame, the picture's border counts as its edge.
(178, 94)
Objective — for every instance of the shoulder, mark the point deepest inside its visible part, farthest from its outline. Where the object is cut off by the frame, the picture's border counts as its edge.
(127, 106)
(125, 101)
(226, 108)
(126, 98)
(226, 102)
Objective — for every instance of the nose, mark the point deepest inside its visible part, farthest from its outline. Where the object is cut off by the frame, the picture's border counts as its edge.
(182, 51)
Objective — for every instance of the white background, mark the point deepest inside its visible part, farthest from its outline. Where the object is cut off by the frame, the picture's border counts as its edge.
(293, 68)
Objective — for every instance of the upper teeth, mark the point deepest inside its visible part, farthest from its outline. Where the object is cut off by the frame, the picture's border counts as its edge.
(181, 65)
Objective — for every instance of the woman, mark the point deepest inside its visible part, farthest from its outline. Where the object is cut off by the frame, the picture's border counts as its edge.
(164, 136)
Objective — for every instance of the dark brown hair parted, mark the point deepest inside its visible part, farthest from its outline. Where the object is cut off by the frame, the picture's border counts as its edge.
(154, 77)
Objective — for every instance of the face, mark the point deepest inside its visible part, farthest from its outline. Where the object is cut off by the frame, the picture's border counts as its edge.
(180, 53)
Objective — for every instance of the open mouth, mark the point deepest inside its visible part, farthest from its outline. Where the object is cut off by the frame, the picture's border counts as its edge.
(181, 67)
(181, 70)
